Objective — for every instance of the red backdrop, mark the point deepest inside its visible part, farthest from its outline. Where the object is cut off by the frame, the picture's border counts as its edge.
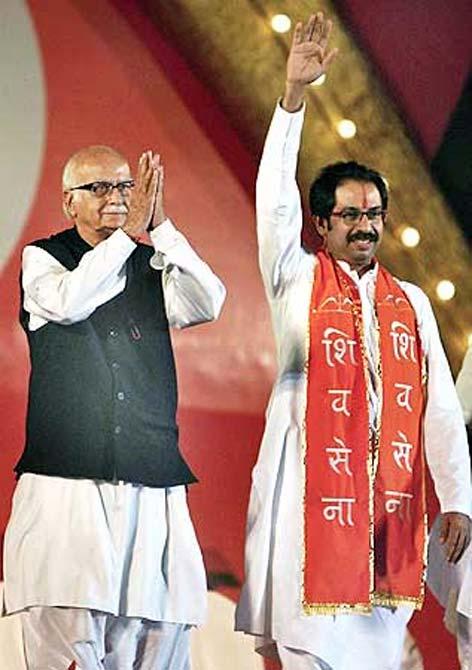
(111, 78)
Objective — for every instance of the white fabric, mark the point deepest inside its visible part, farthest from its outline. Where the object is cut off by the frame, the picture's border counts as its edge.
(55, 637)
(411, 655)
(464, 386)
(137, 542)
(452, 583)
(192, 292)
(294, 659)
(216, 646)
(138, 545)
(11, 641)
(353, 643)
(270, 601)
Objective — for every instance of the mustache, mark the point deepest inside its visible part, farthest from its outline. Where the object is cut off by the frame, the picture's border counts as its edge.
(114, 210)
(363, 236)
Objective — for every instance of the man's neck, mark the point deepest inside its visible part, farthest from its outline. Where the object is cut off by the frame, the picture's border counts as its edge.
(92, 237)
(360, 268)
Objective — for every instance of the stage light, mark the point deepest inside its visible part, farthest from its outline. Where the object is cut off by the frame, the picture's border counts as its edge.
(346, 128)
(410, 237)
(281, 23)
(320, 81)
(445, 289)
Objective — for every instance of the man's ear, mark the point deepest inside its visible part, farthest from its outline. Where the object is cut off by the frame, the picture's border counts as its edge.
(68, 204)
(320, 224)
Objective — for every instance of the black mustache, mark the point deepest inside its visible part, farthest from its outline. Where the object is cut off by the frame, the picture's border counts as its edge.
(371, 236)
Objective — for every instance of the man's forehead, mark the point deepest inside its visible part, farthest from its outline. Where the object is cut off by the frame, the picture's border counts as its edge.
(95, 164)
(358, 194)
(101, 170)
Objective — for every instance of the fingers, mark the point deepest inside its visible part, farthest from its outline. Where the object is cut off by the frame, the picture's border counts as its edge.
(455, 535)
(456, 545)
(325, 33)
(153, 181)
(443, 533)
(318, 28)
(147, 171)
(297, 34)
(160, 180)
(310, 27)
(327, 60)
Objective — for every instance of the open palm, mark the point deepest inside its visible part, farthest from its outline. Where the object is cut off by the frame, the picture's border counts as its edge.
(309, 57)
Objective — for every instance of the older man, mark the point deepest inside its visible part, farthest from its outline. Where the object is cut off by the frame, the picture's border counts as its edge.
(336, 533)
(100, 553)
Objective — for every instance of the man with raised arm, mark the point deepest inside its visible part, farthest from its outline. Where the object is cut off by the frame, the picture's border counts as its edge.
(101, 557)
(364, 397)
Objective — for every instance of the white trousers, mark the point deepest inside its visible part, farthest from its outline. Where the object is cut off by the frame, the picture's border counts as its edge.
(54, 637)
(464, 641)
(350, 642)
(296, 659)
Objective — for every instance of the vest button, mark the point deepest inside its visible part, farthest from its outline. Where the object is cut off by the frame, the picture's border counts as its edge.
(120, 395)
(117, 430)
(115, 365)
(113, 333)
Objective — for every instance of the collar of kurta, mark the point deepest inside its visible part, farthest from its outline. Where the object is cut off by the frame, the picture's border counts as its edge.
(364, 498)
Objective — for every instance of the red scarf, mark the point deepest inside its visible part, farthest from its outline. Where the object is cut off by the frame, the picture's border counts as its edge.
(364, 488)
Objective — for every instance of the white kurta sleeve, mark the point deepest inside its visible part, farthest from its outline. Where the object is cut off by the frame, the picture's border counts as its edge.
(192, 292)
(464, 386)
(447, 452)
(278, 205)
(53, 293)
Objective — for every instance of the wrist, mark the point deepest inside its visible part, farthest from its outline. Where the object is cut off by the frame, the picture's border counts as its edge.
(292, 100)
(132, 234)
(159, 218)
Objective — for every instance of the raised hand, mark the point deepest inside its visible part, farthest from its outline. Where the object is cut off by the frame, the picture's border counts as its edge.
(308, 59)
(143, 197)
(159, 216)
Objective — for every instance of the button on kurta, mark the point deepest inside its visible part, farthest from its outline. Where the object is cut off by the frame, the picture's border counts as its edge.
(120, 395)
(117, 430)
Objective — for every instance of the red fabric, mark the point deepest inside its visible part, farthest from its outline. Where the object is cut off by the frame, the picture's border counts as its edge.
(362, 490)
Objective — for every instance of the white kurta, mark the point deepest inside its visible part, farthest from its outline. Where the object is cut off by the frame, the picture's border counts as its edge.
(270, 604)
(138, 543)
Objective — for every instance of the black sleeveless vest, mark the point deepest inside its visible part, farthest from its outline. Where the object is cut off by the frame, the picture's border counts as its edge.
(103, 392)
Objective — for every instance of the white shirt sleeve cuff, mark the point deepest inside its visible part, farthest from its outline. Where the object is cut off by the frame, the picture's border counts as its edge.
(164, 236)
(121, 241)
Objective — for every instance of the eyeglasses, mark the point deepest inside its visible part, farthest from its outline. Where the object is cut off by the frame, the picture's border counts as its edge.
(102, 188)
(352, 215)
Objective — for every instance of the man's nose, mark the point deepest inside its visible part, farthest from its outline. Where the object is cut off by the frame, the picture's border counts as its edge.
(364, 223)
(115, 195)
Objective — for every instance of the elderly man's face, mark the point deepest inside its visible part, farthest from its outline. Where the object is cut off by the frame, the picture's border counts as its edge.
(95, 216)
(356, 224)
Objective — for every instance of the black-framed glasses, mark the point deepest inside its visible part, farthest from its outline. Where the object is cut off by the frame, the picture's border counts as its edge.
(102, 188)
(353, 215)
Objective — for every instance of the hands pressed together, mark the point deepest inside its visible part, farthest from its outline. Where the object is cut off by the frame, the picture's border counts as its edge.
(146, 208)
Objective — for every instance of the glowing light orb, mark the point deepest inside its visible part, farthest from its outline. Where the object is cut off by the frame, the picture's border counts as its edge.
(410, 237)
(347, 129)
(281, 23)
(445, 289)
